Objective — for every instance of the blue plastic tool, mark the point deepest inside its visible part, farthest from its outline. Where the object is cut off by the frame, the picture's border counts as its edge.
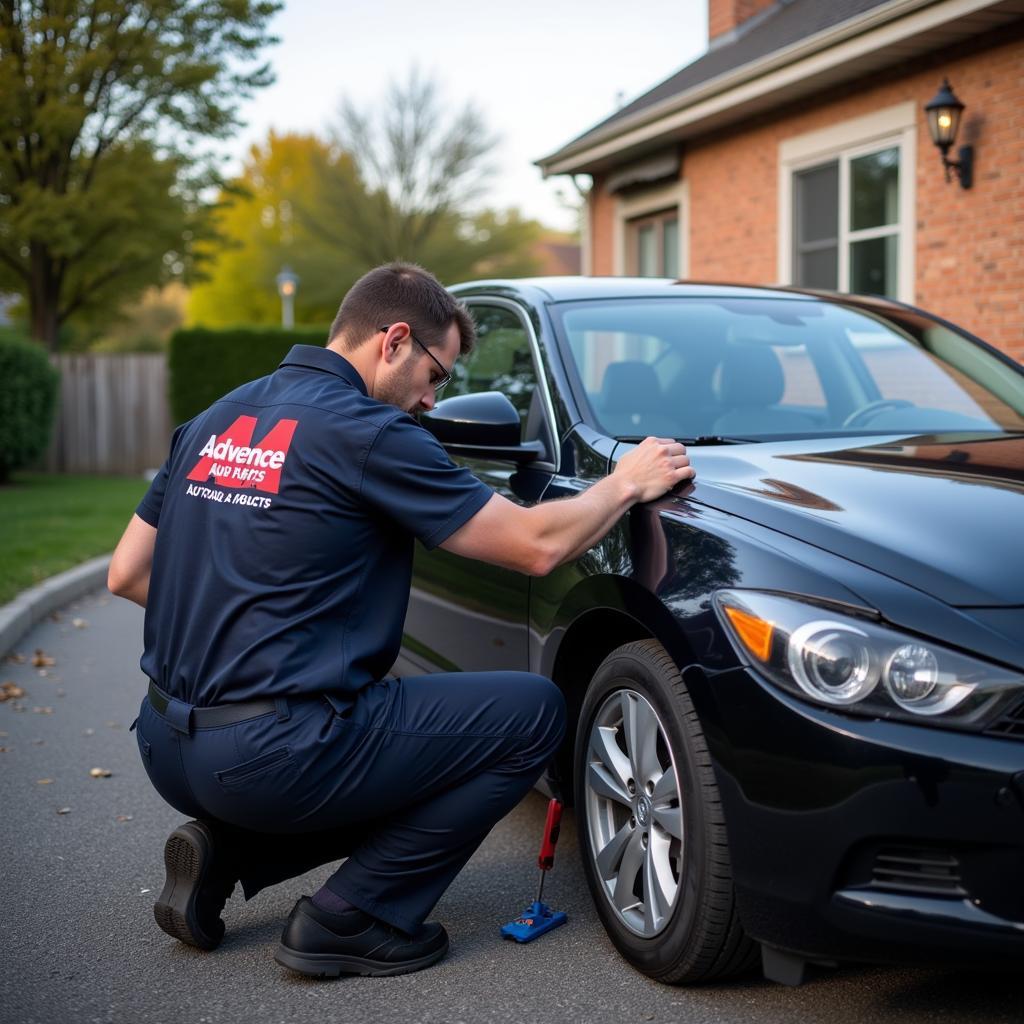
(539, 918)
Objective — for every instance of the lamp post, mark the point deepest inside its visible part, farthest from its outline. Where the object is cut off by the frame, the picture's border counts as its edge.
(287, 285)
(943, 122)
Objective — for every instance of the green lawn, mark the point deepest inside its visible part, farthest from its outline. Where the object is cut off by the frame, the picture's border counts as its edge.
(49, 523)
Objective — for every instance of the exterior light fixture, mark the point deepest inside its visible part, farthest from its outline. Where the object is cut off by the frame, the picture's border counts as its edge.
(287, 286)
(943, 122)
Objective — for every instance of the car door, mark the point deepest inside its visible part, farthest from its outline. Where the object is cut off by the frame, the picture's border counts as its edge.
(463, 614)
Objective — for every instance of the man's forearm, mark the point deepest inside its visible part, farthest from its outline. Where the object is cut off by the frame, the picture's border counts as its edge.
(537, 539)
(132, 562)
(138, 592)
(572, 526)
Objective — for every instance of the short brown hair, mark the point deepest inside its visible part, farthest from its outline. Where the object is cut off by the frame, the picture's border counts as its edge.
(407, 292)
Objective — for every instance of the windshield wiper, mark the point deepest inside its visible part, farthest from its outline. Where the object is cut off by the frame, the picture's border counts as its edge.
(693, 442)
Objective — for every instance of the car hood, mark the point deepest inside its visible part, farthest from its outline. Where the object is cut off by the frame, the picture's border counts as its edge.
(942, 513)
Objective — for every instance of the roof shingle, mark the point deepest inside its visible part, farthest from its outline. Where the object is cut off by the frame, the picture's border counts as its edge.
(787, 23)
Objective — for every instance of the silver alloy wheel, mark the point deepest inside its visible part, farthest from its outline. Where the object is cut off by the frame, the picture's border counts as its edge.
(634, 813)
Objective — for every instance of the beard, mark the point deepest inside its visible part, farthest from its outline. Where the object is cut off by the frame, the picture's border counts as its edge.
(396, 388)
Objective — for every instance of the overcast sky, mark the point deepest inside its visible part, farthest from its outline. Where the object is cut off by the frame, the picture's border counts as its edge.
(541, 71)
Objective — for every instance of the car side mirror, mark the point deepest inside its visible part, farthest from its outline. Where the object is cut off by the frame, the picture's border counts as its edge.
(481, 426)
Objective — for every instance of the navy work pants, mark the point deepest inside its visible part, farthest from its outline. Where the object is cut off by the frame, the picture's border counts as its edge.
(405, 779)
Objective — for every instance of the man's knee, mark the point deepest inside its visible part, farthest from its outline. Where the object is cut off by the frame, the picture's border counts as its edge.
(548, 703)
(556, 702)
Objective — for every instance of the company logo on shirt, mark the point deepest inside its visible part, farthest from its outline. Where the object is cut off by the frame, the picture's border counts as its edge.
(234, 461)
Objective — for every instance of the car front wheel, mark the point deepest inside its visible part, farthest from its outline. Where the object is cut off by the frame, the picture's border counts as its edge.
(650, 822)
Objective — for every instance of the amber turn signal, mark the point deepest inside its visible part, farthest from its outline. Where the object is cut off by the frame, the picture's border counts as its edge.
(755, 633)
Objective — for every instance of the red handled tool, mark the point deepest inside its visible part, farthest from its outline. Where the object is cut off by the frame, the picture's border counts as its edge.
(540, 918)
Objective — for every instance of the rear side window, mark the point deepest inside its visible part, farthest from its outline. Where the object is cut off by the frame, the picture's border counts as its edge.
(901, 371)
(802, 385)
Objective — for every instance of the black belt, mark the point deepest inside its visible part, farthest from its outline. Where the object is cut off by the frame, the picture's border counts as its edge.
(219, 714)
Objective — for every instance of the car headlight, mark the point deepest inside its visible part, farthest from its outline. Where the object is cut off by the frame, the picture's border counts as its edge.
(839, 659)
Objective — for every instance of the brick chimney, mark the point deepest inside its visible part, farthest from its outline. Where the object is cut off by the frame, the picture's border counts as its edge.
(725, 15)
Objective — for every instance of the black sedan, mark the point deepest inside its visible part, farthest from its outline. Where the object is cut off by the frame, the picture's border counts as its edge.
(797, 683)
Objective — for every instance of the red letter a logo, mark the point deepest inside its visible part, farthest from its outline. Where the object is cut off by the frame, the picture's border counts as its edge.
(233, 462)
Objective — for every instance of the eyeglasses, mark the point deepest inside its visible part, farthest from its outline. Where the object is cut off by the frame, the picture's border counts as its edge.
(445, 377)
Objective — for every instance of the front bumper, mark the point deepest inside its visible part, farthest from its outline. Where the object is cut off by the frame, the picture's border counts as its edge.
(854, 838)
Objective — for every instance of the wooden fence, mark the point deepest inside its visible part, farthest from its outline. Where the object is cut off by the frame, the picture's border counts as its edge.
(113, 414)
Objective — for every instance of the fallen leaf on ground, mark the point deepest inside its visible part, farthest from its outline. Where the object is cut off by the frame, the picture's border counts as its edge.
(17, 659)
(41, 660)
(43, 782)
(79, 623)
(3, 750)
(43, 710)
(8, 690)
(63, 810)
(100, 773)
(124, 817)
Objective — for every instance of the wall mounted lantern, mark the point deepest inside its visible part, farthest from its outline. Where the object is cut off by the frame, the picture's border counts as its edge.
(943, 122)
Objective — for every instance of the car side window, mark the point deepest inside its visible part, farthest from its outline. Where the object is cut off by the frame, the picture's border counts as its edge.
(502, 360)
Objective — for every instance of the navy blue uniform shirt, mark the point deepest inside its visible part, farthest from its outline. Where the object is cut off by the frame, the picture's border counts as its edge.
(285, 519)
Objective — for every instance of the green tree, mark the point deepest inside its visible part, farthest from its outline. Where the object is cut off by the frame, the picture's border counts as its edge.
(421, 169)
(147, 323)
(101, 104)
(260, 231)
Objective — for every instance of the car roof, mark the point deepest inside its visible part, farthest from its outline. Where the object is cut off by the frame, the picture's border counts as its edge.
(575, 289)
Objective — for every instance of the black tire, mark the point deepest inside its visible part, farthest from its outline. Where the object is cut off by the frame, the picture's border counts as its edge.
(700, 937)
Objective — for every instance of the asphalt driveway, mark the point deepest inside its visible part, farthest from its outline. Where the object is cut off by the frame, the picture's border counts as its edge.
(81, 861)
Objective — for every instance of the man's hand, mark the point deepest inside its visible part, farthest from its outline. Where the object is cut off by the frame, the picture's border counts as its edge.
(655, 466)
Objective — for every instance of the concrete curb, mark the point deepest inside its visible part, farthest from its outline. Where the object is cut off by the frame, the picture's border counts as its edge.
(34, 604)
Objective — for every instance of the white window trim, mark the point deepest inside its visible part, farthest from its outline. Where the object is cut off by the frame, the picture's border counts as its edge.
(893, 126)
(652, 200)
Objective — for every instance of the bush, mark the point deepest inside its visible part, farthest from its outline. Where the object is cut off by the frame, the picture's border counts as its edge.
(206, 363)
(28, 401)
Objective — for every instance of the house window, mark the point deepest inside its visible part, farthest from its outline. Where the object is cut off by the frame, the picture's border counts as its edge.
(654, 245)
(846, 223)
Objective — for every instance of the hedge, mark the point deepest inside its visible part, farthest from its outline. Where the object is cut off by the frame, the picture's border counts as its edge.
(206, 363)
(28, 402)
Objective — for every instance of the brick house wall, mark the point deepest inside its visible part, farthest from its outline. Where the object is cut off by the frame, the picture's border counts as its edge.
(968, 244)
(725, 15)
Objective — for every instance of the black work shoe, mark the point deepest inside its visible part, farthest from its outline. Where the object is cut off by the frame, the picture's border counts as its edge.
(198, 885)
(322, 944)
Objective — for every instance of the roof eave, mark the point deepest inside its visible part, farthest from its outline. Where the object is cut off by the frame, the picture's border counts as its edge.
(845, 51)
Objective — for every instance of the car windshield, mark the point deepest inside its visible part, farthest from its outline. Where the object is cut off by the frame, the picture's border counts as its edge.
(769, 368)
